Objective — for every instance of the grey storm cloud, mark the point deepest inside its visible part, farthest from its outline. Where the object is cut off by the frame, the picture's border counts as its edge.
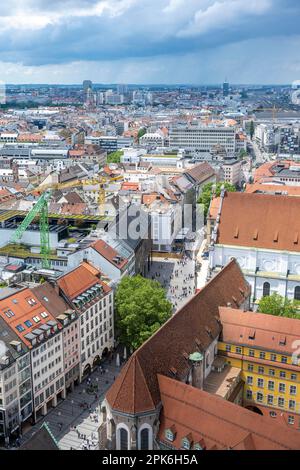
(150, 40)
(38, 32)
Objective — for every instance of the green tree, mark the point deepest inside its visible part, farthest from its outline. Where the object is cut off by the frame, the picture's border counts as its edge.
(141, 132)
(114, 157)
(207, 190)
(251, 129)
(243, 154)
(141, 308)
(280, 306)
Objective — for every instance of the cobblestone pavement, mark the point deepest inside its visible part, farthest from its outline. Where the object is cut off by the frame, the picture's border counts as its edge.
(177, 276)
(70, 413)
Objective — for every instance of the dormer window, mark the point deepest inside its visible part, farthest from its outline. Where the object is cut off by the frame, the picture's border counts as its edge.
(44, 315)
(186, 443)
(197, 446)
(20, 328)
(36, 319)
(170, 435)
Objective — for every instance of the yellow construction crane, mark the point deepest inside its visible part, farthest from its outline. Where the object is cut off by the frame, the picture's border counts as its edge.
(101, 181)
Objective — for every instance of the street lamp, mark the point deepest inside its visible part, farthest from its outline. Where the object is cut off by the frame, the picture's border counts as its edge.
(72, 403)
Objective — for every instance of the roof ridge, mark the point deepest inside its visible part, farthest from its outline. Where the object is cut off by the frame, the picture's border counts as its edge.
(144, 380)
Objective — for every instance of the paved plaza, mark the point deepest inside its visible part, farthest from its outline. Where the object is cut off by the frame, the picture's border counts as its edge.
(177, 276)
(75, 421)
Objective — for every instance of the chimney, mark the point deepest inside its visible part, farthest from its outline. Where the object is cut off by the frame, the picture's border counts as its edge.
(196, 360)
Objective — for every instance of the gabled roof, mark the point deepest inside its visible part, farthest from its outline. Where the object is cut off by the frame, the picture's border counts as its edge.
(191, 329)
(260, 221)
(218, 423)
(25, 306)
(108, 253)
(132, 394)
(43, 439)
(200, 172)
(79, 280)
(269, 332)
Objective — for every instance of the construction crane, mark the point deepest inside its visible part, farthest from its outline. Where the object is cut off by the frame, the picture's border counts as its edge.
(39, 209)
(101, 181)
(274, 111)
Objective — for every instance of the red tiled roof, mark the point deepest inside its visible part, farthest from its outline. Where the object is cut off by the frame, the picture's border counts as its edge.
(260, 221)
(186, 331)
(78, 281)
(108, 253)
(218, 423)
(22, 310)
(269, 330)
(272, 188)
(127, 186)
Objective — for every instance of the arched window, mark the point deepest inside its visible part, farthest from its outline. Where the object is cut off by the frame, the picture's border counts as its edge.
(123, 439)
(145, 439)
(297, 293)
(266, 289)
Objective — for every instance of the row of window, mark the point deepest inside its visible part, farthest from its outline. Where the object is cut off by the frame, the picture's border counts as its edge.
(271, 400)
(271, 385)
(267, 291)
(251, 353)
(282, 373)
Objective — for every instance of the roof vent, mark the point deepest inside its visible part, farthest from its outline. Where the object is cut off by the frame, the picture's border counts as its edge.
(255, 235)
(275, 239)
(296, 237)
(251, 334)
(236, 233)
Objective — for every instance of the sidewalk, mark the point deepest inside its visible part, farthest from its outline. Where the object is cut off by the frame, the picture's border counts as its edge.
(70, 412)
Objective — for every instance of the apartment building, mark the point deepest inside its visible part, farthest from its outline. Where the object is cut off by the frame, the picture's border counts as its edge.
(264, 348)
(232, 171)
(92, 299)
(69, 320)
(202, 139)
(15, 383)
(35, 326)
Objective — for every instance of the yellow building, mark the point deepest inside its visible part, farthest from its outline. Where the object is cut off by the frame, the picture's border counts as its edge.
(265, 348)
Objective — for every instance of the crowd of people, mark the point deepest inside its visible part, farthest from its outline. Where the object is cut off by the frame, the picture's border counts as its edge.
(180, 282)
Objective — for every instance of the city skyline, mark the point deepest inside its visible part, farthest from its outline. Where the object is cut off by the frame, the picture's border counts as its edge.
(127, 41)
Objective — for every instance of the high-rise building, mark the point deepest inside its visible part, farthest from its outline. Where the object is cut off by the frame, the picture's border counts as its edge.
(122, 89)
(86, 84)
(225, 88)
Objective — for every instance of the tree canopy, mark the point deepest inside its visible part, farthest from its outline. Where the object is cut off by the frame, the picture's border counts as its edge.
(280, 306)
(206, 194)
(114, 157)
(141, 132)
(141, 308)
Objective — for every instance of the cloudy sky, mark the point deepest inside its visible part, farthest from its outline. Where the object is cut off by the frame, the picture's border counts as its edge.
(150, 41)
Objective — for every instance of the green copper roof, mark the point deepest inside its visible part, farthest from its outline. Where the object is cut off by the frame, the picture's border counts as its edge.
(196, 357)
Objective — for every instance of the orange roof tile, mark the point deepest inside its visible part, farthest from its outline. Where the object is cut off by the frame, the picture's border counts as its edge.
(78, 281)
(25, 305)
(266, 331)
(108, 253)
(217, 423)
(260, 221)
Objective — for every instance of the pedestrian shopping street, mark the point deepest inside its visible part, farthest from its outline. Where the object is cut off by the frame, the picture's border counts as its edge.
(177, 276)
